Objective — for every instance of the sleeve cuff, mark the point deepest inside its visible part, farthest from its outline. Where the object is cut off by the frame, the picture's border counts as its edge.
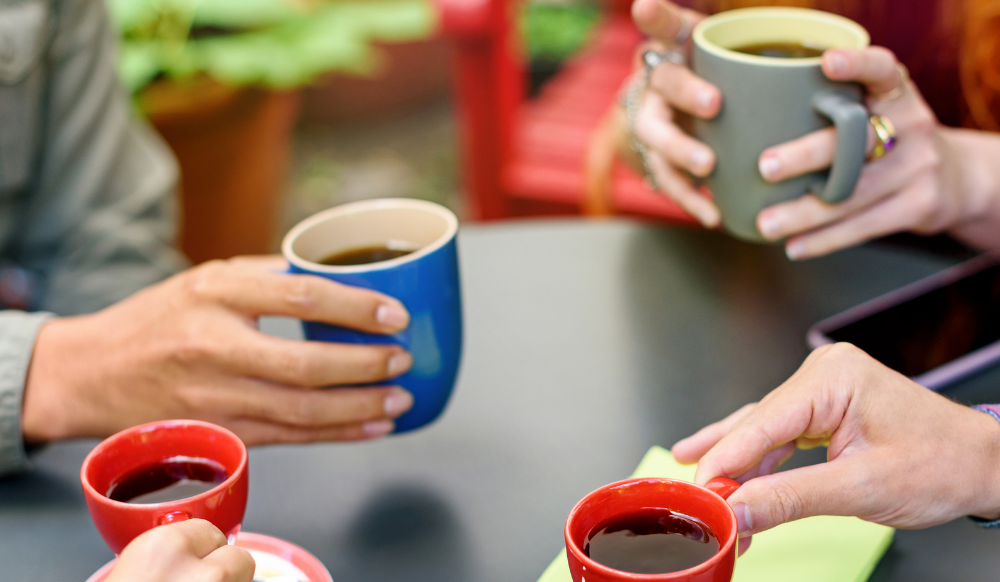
(18, 331)
(994, 411)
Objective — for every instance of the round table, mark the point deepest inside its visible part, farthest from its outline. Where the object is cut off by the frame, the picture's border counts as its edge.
(586, 343)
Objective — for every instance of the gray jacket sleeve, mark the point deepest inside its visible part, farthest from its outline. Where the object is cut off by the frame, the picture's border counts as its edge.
(86, 190)
(99, 223)
(17, 339)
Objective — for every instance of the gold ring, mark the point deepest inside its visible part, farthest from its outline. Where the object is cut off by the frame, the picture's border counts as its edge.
(897, 91)
(885, 136)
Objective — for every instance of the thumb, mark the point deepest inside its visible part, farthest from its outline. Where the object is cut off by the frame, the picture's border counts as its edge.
(824, 489)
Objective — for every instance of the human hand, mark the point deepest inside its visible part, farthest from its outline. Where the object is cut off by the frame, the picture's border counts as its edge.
(928, 183)
(189, 348)
(189, 551)
(898, 454)
(674, 92)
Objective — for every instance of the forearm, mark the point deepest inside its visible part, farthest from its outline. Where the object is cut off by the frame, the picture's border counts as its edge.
(975, 166)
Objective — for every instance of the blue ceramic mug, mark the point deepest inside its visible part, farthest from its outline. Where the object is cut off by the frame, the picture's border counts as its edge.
(426, 281)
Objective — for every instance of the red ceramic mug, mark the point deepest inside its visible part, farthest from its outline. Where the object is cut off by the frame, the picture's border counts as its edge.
(119, 523)
(628, 497)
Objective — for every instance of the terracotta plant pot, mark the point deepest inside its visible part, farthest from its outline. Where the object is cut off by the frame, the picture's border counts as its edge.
(233, 145)
(413, 74)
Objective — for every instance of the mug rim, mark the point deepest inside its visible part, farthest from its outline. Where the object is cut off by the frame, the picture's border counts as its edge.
(591, 564)
(698, 34)
(89, 490)
(359, 207)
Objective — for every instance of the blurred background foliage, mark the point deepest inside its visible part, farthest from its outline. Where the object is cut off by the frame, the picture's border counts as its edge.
(556, 30)
(273, 43)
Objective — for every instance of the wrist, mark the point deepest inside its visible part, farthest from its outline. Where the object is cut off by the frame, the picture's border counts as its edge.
(47, 412)
(986, 504)
(975, 180)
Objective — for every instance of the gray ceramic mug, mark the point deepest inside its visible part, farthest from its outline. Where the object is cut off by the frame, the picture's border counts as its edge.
(767, 101)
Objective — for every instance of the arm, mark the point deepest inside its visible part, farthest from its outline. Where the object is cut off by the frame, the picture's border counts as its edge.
(98, 222)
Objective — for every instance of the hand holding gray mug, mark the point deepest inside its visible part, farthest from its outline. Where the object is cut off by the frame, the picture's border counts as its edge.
(910, 188)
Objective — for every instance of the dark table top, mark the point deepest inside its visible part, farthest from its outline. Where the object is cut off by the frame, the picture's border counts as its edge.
(586, 344)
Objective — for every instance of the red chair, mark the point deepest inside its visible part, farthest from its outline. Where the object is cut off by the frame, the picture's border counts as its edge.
(550, 154)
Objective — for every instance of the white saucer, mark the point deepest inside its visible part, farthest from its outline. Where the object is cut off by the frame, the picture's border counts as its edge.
(275, 558)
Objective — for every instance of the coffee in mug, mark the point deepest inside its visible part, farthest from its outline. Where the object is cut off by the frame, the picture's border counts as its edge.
(781, 50)
(364, 255)
(652, 541)
(169, 479)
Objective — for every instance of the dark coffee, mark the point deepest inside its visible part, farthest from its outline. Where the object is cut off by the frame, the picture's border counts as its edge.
(362, 256)
(781, 50)
(654, 541)
(168, 480)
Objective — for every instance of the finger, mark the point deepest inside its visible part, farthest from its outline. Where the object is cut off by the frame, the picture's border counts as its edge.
(326, 408)
(658, 19)
(742, 545)
(874, 67)
(879, 179)
(311, 298)
(273, 263)
(258, 432)
(314, 364)
(811, 152)
(686, 91)
(679, 188)
(692, 448)
(653, 129)
(228, 564)
(195, 537)
(824, 489)
(909, 209)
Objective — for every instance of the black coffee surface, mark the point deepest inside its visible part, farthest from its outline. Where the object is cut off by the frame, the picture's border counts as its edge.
(781, 50)
(168, 480)
(362, 256)
(655, 541)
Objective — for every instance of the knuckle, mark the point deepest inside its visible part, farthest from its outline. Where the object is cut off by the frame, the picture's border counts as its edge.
(213, 572)
(169, 541)
(192, 346)
(786, 503)
(297, 366)
(202, 281)
(299, 292)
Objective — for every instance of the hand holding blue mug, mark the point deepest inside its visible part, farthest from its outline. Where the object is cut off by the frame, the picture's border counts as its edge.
(423, 277)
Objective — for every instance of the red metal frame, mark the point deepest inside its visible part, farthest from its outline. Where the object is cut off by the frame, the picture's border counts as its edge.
(528, 156)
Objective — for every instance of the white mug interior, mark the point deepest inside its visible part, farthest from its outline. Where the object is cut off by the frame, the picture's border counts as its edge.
(397, 223)
(720, 33)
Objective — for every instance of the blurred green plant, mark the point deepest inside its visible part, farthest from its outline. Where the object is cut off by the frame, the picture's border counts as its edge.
(555, 31)
(274, 43)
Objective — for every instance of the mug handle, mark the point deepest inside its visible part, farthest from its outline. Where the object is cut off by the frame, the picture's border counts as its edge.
(173, 517)
(850, 119)
(722, 486)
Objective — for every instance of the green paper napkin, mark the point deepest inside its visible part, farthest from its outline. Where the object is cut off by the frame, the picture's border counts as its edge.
(818, 549)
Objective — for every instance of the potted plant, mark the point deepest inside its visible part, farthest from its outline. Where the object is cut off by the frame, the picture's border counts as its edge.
(220, 80)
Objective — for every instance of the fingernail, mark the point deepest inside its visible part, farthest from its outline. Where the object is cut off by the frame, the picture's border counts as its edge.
(768, 166)
(700, 160)
(398, 402)
(704, 99)
(769, 224)
(374, 428)
(837, 63)
(399, 363)
(795, 250)
(391, 316)
(744, 523)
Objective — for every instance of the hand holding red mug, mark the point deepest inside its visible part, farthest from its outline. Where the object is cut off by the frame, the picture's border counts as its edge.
(193, 551)
(898, 454)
